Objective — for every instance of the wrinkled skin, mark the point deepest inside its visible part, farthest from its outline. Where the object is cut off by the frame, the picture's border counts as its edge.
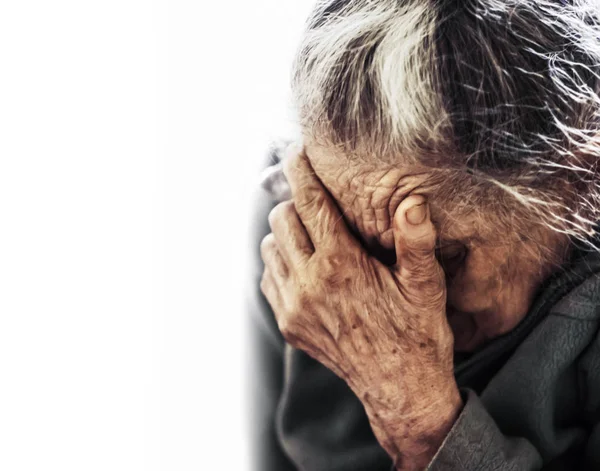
(491, 274)
(386, 329)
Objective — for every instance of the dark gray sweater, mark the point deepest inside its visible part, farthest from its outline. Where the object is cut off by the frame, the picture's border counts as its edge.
(532, 397)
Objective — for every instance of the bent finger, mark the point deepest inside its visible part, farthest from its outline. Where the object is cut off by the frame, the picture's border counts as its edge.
(414, 238)
(272, 258)
(291, 236)
(271, 292)
(314, 205)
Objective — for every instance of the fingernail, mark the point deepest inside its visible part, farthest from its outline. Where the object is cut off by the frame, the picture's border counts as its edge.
(417, 214)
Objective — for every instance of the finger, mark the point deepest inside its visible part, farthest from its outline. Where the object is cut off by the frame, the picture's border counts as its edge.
(291, 236)
(271, 292)
(417, 268)
(269, 251)
(315, 207)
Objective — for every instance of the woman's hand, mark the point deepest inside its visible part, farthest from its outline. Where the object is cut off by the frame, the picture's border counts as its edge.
(382, 329)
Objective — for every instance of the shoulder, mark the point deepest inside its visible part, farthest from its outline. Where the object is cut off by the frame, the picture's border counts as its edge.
(581, 281)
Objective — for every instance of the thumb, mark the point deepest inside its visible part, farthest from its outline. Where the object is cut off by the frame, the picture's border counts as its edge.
(417, 269)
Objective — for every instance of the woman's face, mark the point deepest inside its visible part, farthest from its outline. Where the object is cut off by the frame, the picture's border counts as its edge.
(491, 272)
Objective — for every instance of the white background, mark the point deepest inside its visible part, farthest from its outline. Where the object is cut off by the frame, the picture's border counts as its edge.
(130, 139)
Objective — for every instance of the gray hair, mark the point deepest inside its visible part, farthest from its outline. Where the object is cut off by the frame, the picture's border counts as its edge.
(505, 91)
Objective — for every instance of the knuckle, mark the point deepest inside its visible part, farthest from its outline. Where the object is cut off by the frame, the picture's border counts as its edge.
(267, 245)
(332, 266)
(428, 289)
(285, 327)
(279, 213)
(301, 301)
(287, 208)
(420, 243)
(424, 268)
(274, 215)
(436, 279)
(431, 298)
(438, 298)
(292, 329)
(416, 252)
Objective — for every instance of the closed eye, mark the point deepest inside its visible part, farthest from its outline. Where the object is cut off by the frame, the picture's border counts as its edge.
(451, 257)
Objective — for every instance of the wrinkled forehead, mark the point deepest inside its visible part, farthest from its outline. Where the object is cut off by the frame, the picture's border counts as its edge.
(360, 180)
(368, 191)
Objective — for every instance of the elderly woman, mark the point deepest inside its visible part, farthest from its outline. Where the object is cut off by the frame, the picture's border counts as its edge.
(434, 280)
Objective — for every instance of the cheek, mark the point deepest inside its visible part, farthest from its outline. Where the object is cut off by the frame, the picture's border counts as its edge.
(494, 288)
(476, 286)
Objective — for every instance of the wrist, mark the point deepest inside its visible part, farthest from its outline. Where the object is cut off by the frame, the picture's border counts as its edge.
(413, 439)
